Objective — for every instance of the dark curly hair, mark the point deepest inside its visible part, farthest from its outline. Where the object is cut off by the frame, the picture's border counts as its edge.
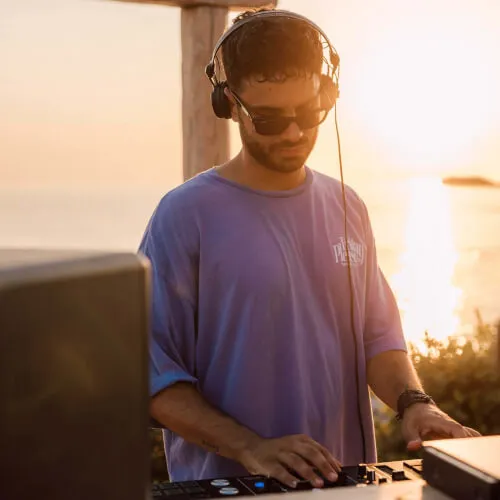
(271, 49)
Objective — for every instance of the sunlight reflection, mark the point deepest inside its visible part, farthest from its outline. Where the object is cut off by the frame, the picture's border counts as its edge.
(427, 297)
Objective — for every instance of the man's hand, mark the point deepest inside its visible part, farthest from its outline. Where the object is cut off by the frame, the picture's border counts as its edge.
(423, 421)
(298, 453)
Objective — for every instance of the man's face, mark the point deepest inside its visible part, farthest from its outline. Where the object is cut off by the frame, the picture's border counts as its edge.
(289, 149)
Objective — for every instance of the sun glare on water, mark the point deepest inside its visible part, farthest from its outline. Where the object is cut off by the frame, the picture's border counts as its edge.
(427, 297)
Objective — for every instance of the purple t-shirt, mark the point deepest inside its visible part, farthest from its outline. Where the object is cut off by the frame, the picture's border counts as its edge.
(251, 303)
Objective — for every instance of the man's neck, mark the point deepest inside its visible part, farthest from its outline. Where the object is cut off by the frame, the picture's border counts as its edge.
(255, 176)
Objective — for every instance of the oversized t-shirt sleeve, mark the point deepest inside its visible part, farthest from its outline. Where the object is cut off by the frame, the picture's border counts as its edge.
(171, 249)
(383, 330)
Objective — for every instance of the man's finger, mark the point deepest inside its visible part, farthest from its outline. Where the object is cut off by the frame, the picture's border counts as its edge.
(413, 439)
(330, 468)
(336, 465)
(312, 452)
(457, 431)
(443, 429)
(472, 432)
(296, 463)
(280, 473)
(414, 445)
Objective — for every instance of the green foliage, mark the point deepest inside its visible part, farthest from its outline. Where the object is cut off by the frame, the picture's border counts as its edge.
(463, 379)
(158, 464)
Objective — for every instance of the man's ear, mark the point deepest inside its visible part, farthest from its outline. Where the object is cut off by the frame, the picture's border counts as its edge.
(232, 104)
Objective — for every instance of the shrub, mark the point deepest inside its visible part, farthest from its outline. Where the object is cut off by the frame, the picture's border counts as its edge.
(158, 464)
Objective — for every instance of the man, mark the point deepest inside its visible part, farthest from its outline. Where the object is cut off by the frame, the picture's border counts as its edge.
(253, 364)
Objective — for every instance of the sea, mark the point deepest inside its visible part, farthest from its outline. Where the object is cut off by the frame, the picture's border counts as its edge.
(438, 246)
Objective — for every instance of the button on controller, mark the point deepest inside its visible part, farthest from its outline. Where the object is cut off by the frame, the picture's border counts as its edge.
(219, 482)
(229, 491)
(399, 475)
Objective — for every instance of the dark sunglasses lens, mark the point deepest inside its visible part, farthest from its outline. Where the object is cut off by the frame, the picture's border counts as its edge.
(276, 126)
(311, 119)
(272, 126)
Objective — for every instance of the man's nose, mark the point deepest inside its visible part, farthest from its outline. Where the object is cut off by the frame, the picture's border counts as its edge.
(293, 133)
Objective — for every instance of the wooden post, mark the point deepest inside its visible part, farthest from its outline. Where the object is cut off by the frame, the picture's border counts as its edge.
(205, 137)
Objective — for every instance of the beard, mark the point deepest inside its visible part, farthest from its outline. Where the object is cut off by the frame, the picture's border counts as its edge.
(270, 156)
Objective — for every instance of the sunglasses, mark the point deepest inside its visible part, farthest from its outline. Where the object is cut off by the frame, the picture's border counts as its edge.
(276, 125)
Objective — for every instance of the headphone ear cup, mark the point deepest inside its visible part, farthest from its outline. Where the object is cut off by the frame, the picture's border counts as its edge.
(329, 92)
(220, 102)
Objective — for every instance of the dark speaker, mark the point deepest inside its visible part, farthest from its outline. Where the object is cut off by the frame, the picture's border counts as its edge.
(73, 376)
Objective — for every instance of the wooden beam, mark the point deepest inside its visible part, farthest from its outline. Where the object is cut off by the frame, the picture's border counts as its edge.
(206, 138)
(228, 4)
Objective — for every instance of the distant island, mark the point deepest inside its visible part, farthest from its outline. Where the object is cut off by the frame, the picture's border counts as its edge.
(473, 181)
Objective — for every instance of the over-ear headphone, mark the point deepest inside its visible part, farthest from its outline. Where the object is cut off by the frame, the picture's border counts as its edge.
(329, 81)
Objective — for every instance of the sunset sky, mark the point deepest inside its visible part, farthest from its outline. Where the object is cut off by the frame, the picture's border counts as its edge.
(90, 90)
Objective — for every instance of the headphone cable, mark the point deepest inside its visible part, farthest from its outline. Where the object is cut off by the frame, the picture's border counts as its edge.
(351, 290)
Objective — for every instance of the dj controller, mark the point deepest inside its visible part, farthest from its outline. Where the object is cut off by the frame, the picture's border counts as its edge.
(357, 476)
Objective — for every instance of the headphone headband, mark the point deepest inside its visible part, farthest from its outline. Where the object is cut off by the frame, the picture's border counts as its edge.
(210, 69)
